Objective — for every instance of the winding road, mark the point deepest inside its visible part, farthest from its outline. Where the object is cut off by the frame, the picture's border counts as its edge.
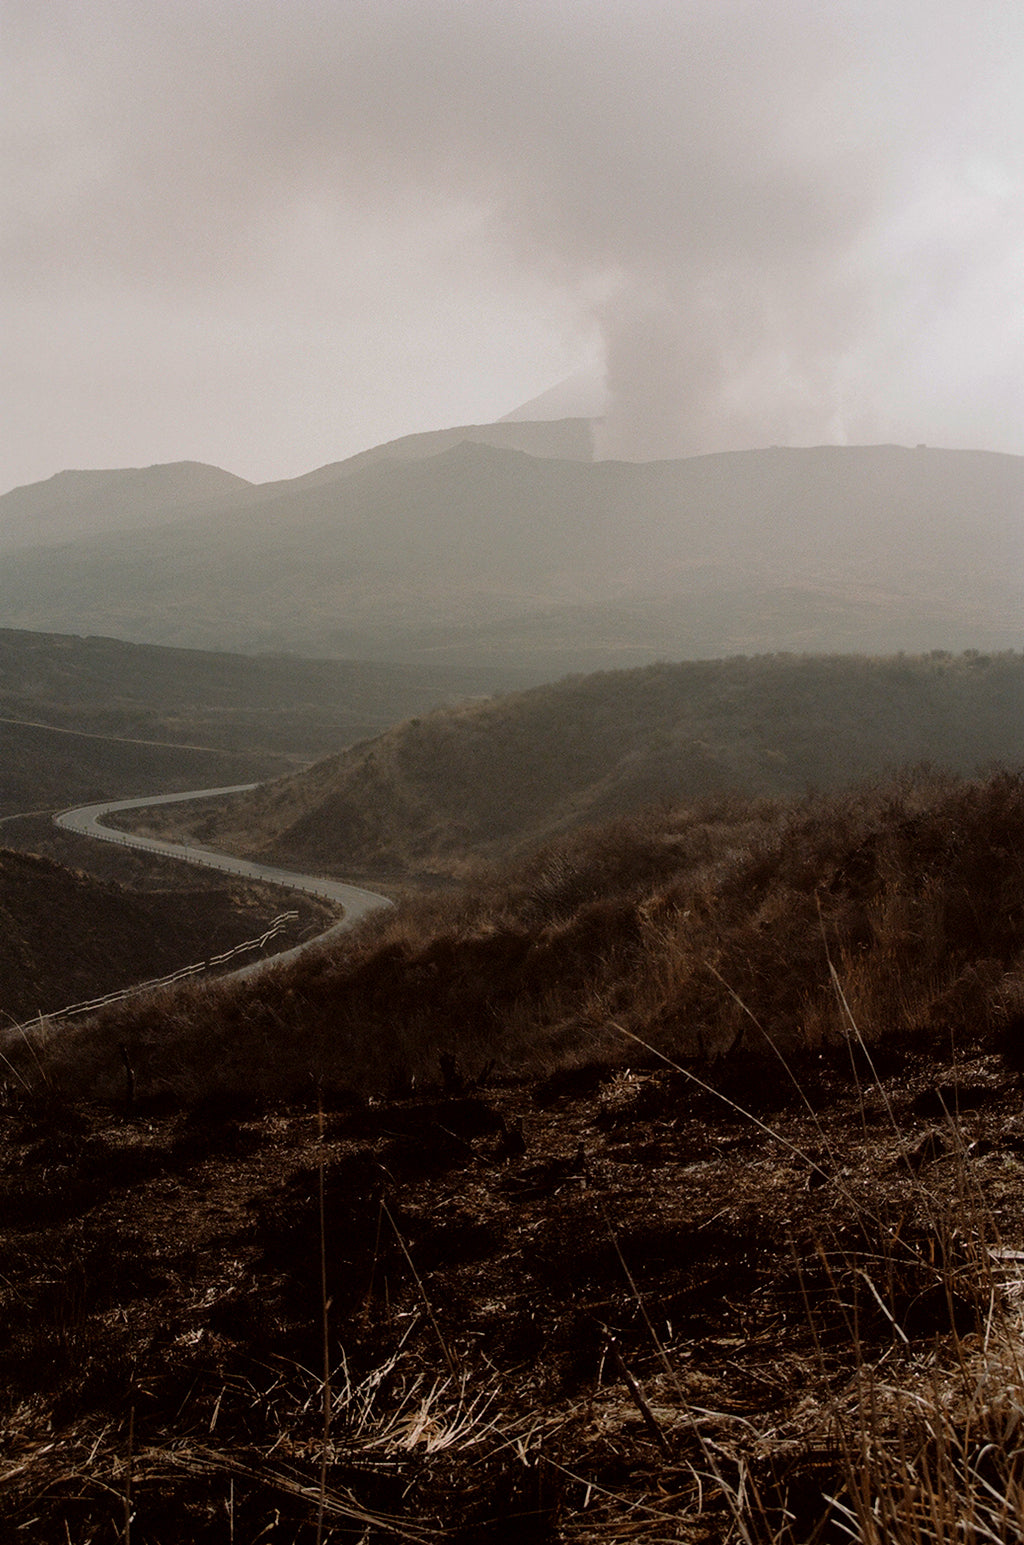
(87, 821)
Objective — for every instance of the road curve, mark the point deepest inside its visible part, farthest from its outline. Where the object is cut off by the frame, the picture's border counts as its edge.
(87, 821)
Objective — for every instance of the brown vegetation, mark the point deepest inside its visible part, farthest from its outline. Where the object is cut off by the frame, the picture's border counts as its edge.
(497, 777)
(665, 1186)
(690, 927)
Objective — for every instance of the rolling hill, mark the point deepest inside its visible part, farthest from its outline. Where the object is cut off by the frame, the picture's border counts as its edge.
(499, 777)
(212, 700)
(666, 1186)
(479, 552)
(91, 718)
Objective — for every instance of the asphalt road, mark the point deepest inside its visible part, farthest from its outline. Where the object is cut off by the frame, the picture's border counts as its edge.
(87, 821)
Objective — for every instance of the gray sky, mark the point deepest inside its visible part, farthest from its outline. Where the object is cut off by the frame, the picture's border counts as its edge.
(269, 233)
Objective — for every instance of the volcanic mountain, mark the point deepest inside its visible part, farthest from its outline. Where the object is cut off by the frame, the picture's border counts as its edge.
(479, 551)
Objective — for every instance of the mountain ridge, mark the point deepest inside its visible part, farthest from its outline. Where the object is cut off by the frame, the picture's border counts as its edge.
(53, 510)
(863, 548)
(168, 489)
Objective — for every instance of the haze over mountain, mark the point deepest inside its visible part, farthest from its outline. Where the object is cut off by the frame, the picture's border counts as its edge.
(263, 236)
(473, 550)
(584, 394)
(80, 504)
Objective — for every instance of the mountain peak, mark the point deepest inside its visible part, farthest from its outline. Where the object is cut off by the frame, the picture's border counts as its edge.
(584, 394)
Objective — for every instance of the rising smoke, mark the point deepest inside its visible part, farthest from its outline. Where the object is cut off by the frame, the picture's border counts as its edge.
(786, 222)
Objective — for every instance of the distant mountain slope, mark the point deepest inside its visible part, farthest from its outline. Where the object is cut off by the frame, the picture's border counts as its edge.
(874, 548)
(495, 777)
(584, 394)
(78, 504)
(566, 438)
(240, 703)
(74, 506)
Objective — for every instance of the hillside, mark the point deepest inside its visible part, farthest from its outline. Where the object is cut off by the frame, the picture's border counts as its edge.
(47, 769)
(419, 1239)
(266, 709)
(481, 552)
(66, 937)
(497, 777)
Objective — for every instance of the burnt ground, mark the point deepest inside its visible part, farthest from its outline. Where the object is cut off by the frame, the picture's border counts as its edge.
(591, 1309)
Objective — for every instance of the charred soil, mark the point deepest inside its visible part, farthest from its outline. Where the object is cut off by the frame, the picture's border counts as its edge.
(607, 1306)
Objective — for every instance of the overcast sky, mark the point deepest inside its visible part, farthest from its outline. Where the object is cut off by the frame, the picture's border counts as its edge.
(269, 233)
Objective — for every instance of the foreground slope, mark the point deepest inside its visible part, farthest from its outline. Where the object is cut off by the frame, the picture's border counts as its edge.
(590, 1296)
(487, 552)
(914, 885)
(495, 777)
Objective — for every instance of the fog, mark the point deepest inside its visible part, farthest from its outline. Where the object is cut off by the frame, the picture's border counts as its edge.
(267, 236)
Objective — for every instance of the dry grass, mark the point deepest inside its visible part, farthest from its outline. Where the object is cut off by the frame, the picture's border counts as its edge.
(770, 1295)
(691, 927)
(891, 1389)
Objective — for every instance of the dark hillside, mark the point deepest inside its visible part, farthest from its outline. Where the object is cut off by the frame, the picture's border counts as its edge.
(66, 937)
(47, 769)
(496, 777)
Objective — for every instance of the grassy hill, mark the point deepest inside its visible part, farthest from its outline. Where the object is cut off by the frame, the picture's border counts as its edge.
(664, 1186)
(499, 776)
(482, 552)
(910, 882)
